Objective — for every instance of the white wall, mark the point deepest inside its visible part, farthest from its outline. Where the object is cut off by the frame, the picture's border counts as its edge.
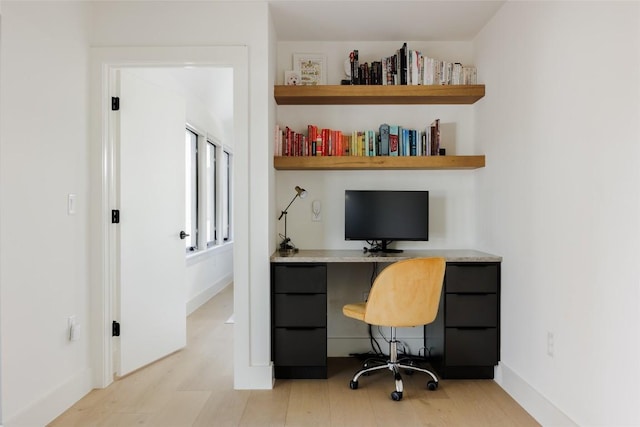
(559, 200)
(43, 250)
(45, 154)
(207, 274)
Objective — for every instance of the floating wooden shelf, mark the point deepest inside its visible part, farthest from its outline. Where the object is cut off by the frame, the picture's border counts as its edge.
(377, 162)
(362, 95)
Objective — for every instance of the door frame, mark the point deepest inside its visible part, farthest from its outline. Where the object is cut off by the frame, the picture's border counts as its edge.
(103, 171)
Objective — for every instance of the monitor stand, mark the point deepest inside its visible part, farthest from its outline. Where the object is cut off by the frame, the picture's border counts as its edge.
(383, 246)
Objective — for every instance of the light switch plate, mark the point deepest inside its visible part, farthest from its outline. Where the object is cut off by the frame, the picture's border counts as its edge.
(71, 204)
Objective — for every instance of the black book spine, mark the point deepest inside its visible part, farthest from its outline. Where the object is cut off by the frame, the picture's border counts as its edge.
(403, 64)
(354, 67)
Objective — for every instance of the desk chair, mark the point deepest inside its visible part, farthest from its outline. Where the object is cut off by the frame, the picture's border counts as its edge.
(406, 293)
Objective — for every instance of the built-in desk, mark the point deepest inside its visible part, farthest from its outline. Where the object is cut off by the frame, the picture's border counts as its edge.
(463, 341)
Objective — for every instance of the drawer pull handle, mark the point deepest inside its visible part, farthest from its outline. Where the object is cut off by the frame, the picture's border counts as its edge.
(303, 293)
(302, 265)
(484, 294)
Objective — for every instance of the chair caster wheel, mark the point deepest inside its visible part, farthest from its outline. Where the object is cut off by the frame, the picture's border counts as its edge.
(432, 385)
(353, 385)
(396, 395)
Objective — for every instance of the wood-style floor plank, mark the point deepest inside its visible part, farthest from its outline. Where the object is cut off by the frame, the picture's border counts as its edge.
(194, 388)
(267, 408)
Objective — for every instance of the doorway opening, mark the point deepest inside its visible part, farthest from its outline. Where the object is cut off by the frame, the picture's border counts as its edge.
(211, 89)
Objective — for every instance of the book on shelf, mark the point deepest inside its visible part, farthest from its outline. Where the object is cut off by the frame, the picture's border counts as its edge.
(423, 144)
(359, 143)
(384, 140)
(410, 67)
(415, 67)
(355, 67)
(413, 143)
(402, 54)
(387, 140)
(434, 131)
(403, 139)
(371, 143)
(356, 143)
(327, 142)
(393, 140)
(278, 141)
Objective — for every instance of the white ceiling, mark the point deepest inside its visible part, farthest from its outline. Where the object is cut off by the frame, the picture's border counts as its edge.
(362, 20)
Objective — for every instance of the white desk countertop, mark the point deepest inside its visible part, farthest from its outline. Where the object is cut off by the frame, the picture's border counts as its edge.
(342, 255)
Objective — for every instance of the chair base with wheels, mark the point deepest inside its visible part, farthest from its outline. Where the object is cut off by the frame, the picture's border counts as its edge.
(394, 365)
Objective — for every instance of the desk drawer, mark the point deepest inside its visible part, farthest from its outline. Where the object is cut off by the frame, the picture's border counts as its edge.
(300, 347)
(471, 310)
(471, 277)
(471, 347)
(302, 310)
(300, 278)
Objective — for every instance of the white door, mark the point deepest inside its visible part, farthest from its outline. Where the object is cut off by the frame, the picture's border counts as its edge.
(152, 306)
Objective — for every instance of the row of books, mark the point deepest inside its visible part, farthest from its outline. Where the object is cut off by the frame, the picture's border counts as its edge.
(388, 140)
(410, 67)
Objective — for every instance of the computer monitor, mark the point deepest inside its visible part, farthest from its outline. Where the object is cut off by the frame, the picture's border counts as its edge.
(382, 216)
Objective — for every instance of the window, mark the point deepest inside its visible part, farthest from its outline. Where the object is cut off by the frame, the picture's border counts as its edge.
(226, 197)
(211, 195)
(208, 192)
(191, 190)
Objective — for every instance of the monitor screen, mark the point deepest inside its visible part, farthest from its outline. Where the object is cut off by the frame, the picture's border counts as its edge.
(384, 216)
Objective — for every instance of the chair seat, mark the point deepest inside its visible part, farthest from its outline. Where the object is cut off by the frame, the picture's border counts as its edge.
(355, 311)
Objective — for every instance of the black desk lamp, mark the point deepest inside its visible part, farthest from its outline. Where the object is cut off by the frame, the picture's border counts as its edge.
(285, 245)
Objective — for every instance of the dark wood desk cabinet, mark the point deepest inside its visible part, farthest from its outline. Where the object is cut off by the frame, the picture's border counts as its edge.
(299, 320)
(464, 340)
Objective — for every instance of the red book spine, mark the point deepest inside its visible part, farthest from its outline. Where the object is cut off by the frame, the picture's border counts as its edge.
(287, 141)
(325, 142)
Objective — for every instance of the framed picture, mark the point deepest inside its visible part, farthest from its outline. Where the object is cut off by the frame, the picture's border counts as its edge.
(292, 78)
(312, 68)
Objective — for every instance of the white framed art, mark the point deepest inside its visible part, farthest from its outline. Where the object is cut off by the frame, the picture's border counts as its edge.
(312, 68)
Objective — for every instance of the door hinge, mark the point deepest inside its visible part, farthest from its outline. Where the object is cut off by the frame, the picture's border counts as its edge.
(115, 103)
(115, 216)
(115, 329)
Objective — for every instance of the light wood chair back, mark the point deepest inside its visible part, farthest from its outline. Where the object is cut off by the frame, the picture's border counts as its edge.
(406, 293)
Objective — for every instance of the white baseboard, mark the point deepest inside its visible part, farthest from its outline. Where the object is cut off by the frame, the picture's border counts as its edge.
(194, 303)
(54, 403)
(253, 377)
(530, 399)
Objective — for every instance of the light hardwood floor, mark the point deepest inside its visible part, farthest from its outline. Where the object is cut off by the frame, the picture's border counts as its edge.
(194, 387)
